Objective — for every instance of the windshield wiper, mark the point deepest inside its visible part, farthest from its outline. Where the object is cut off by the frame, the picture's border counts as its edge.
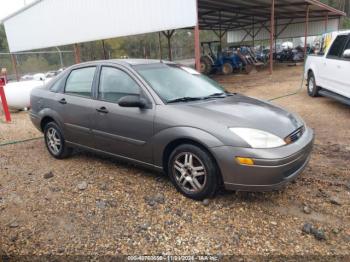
(216, 95)
(189, 99)
(184, 99)
(230, 94)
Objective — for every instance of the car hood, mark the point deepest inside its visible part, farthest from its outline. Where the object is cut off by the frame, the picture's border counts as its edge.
(242, 111)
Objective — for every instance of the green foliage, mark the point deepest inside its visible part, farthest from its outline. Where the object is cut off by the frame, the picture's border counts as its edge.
(34, 65)
(3, 39)
(145, 46)
(343, 5)
(346, 23)
(5, 62)
(116, 47)
(333, 3)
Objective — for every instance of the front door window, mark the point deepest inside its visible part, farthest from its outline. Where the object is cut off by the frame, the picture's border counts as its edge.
(116, 84)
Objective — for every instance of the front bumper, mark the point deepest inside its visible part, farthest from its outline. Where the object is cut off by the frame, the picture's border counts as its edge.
(273, 167)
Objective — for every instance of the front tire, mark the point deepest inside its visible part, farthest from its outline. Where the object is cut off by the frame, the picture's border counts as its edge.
(248, 69)
(312, 88)
(193, 172)
(55, 142)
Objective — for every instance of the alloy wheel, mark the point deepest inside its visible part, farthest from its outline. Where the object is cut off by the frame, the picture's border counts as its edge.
(190, 172)
(53, 141)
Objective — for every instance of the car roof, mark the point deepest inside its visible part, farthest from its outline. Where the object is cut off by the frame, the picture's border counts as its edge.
(126, 62)
(133, 62)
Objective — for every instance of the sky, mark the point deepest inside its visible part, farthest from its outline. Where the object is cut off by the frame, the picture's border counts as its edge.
(8, 7)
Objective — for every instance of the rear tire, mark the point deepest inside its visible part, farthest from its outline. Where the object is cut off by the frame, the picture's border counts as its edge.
(206, 65)
(55, 142)
(193, 172)
(312, 88)
(227, 69)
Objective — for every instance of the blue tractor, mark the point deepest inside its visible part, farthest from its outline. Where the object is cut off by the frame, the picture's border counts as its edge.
(248, 57)
(213, 60)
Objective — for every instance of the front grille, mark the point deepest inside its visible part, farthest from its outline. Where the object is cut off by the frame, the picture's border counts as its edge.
(295, 136)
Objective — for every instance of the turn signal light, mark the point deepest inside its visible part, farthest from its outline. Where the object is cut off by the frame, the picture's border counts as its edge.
(245, 161)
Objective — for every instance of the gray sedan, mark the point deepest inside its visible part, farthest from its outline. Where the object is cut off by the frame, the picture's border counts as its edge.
(172, 119)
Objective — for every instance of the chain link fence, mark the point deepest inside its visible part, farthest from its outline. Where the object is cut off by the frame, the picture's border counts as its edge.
(30, 63)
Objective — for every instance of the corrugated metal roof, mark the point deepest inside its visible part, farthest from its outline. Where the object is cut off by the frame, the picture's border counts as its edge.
(48, 23)
(294, 30)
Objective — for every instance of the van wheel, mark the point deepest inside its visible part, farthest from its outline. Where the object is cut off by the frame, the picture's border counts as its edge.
(55, 142)
(312, 88)
(193, 172)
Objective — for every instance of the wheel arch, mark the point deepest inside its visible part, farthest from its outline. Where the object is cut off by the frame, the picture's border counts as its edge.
(45, 121)
(171, 146)
(312, 69)
(48, 115)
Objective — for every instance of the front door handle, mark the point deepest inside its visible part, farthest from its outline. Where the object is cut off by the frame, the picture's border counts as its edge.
(102, 110)
(63, 101)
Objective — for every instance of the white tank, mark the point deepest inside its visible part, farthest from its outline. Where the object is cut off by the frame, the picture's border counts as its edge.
(18, 93)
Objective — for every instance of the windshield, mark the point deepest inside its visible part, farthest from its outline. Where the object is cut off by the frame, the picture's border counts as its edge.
(172, 82)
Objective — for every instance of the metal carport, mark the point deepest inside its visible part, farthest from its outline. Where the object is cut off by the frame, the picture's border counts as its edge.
(49, 23)
(252, 18)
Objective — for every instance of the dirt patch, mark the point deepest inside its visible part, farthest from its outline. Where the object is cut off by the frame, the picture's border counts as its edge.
(19, 129)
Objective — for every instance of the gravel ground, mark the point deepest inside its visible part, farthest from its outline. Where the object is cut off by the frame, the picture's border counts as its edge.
(91, 205)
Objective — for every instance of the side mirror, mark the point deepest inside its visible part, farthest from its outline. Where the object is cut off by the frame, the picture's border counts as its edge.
(132, 101)
(346, 53)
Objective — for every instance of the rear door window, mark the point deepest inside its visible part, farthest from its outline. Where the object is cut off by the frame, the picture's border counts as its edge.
(80, 82)
(338, 46)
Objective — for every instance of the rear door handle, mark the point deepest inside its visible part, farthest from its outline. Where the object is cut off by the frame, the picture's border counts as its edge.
(102, 110)
(63, 101)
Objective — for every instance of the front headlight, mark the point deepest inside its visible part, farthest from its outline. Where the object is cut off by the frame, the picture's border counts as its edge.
(258, 138)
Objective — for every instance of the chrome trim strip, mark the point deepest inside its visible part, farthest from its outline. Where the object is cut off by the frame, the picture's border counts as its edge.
(81, 128)
(120, 138)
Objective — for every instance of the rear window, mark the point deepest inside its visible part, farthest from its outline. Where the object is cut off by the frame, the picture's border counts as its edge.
(338, 46)
(56, 87)
(80, 81)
